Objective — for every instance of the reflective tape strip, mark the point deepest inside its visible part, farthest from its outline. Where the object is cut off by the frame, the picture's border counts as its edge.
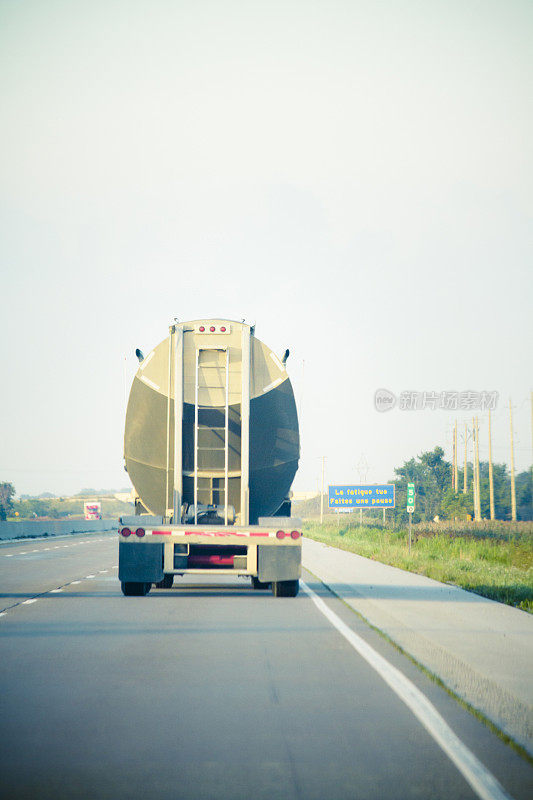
(213, 533)
(276, 361)
(147, 360)
(148, 382)
(273, 385)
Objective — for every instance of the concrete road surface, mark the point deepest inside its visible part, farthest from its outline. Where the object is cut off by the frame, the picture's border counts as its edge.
(212, 690)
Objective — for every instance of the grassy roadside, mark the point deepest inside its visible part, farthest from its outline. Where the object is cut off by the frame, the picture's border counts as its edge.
(498, 567)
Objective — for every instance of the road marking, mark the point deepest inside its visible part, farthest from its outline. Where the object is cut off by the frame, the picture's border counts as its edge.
(115, 566)
(31, 600)
(102, 570)
(89, 576)
(10, 555)
(47, 548)
(475, 773)
(55, 591)
(74, 583)
(35, 551)
(23, 553)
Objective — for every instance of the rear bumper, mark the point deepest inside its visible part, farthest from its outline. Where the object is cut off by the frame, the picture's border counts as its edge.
(182, 550)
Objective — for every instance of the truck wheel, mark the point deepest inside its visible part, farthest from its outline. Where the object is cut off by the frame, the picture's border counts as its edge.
(257, 584)
(285, 588)
(166, 583)
(135, 589)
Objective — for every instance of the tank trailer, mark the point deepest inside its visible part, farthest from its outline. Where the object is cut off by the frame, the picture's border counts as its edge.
(211, 446)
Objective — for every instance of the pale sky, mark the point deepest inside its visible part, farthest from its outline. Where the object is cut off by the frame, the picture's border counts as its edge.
(354, 177)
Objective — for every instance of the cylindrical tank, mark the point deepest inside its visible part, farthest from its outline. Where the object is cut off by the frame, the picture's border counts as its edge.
(212, 375)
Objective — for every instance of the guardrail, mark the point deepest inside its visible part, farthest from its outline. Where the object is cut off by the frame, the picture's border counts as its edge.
(28, 528)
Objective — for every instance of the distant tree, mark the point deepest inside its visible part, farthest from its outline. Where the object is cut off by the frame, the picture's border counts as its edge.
(524, 494)
(431, 474)
(457, 506)
(7, 492)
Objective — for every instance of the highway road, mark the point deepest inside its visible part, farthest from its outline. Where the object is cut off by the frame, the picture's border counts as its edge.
(212, 690)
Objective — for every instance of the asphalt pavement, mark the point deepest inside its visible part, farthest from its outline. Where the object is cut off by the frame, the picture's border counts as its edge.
(212, 690)
(482, 650)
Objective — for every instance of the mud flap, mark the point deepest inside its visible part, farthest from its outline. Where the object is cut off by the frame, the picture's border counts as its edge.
(140, 562)
(278, 563)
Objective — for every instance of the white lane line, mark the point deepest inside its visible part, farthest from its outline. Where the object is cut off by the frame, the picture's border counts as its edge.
(9, 555)
(55, 591)
(35, 551)
(115, 566)
(25, 552)
(74, 583)
(47, 548)
(100, 571)
(90, 576)
(475, 773)
(31, 600)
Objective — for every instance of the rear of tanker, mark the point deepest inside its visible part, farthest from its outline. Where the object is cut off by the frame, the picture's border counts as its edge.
(214, 400)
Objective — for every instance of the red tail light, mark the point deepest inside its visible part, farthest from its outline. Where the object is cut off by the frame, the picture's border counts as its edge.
(140, 532)
(126, 532)
(280, 535)
(295, 534)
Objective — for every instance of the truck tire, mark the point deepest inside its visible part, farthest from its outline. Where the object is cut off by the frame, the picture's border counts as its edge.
(166, 583)
(257, 584)
(285, 588)
(135, 589)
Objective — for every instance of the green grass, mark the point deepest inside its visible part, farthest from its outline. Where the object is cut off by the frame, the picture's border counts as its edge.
(496, 566)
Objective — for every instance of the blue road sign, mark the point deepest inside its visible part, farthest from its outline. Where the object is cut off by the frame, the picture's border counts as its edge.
(371, 496)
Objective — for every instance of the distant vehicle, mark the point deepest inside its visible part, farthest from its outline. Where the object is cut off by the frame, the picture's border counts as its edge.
(217, 402)
(92, 510)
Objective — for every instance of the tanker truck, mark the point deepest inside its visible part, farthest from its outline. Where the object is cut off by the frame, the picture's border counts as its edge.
(211, 446)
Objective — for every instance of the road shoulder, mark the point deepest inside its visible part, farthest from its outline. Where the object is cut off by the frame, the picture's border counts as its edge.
(480, 649)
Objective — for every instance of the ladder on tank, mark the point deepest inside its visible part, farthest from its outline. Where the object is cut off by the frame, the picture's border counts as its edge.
(211, 375)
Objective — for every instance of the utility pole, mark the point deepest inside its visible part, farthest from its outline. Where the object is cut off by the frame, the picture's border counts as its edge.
(474, 477)
(532, 422)
(478, 487)
(491, 477)
(454, 488)
(465, 476)
(322, 491)
(513, 488)
(531, 470)
(455, 460)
